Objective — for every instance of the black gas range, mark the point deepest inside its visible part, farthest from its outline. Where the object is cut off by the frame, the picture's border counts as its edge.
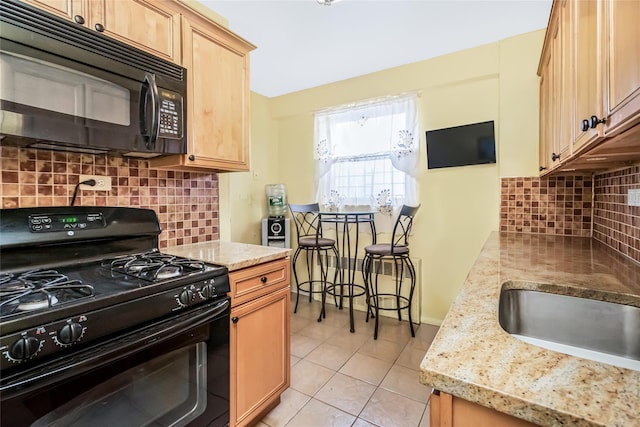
(78, 281)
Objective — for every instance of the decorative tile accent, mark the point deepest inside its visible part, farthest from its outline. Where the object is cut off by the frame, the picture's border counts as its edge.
(563, 205)
(186, 202)
(614, 223)
(559, 205)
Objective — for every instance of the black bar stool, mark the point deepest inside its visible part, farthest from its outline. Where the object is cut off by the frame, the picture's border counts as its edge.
(310, 239)
(398, 252)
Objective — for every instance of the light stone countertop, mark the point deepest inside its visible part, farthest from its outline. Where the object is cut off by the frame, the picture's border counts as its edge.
(232, 255)
(472, 357)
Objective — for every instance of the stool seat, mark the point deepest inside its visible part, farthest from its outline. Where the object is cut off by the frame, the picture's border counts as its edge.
(312, 242)
(386, 249)
(397, 251)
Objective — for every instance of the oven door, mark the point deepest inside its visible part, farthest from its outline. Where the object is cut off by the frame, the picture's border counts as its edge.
(171, 373)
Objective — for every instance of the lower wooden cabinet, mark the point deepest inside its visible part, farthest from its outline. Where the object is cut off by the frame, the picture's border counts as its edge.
(450, 411)
(260, 344)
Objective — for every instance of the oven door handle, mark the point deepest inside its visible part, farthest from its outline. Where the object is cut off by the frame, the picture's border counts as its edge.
(110, 351)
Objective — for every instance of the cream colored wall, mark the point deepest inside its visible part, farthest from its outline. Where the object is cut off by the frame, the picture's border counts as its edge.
(460, 206)
(519, 105)
(242, 197)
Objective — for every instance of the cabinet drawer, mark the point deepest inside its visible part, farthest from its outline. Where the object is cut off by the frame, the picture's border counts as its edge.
(253, 282)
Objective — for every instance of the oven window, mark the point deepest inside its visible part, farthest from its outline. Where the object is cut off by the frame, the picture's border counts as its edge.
(52, 87)
(170, 390)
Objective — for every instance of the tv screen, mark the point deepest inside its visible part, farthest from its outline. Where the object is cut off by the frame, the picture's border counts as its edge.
(471, 144)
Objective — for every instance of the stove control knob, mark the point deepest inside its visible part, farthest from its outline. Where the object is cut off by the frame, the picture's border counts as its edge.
(24, 348)
(186, 297)
(208, 291)
(70, 333)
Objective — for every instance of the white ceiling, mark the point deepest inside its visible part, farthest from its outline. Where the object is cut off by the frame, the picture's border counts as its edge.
(302, 44)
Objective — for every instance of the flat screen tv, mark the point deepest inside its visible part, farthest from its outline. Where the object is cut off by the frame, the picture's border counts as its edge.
(471, 144)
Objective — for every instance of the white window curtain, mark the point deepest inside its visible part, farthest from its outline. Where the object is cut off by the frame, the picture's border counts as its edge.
(367, 156)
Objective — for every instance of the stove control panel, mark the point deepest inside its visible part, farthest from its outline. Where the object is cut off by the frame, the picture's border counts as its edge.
(198, 292)
(61, 222)
(30, 344)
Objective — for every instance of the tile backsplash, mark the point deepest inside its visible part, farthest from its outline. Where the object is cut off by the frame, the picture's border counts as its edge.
(594, 206)
(560, 205)
(186, 202)
(614, 222)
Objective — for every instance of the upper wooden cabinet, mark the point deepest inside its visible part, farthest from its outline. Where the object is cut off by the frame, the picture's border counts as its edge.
(590, 95)
(588, 99)
(622, 70)
(67, 9)
(218, 99)
(553, 106)
(153, 26)
(548, 104)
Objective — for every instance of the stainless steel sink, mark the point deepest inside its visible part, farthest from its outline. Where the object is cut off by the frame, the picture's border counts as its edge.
(597, 330)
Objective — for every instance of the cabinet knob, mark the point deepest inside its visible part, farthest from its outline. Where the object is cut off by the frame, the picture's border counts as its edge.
(585, 125)
(79, 19)
(541, 168)
(263, 279)
(192, 157)
(234, 319)
(594, 121)
(100, 28)
(555, 156)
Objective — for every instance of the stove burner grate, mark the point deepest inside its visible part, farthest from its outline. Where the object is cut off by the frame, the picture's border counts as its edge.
(37, 289)
(153, 266)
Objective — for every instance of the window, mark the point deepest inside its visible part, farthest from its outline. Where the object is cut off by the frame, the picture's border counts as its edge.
(367, 154)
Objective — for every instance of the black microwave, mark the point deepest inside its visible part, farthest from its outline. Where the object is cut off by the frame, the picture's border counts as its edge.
(66, 87)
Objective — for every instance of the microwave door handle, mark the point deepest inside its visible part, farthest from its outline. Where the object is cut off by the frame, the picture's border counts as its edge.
(149, 133)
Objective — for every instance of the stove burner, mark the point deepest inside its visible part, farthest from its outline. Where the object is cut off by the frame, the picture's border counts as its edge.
(38, 289)
(153, 266)
(36, 302)
(168, 272)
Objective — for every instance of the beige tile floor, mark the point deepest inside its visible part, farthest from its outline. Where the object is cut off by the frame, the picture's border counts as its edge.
(340, 378)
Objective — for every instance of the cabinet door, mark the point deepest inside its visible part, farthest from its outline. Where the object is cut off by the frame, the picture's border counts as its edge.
(564, 72)
(622, 84)
(450, 411)
(547, 109)
(550, 100)
(260, 355)
(67, 9)
(588, 87)
(219, 98)
(153, 26)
